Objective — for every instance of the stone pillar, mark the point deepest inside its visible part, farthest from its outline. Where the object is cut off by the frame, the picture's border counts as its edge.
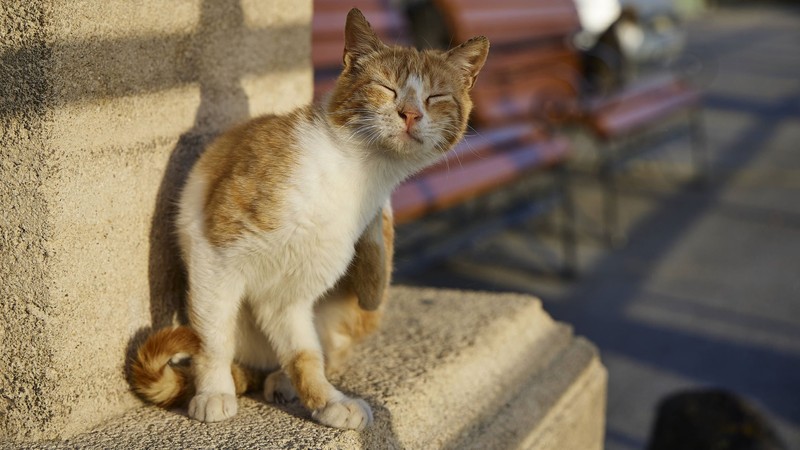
(104, 107)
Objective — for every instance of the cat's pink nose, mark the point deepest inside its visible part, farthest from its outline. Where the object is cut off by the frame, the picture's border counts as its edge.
(411, 116)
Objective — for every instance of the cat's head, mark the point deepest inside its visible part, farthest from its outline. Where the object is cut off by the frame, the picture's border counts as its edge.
(415, 104)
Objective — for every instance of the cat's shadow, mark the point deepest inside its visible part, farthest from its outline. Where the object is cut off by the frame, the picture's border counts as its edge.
(222, 102)
(379, 435)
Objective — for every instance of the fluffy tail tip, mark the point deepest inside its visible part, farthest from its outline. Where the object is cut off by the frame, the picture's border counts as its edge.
(159, 373)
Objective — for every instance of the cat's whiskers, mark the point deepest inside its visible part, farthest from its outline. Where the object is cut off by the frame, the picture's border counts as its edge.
(467, 141)
(373, 134)
(349, 135)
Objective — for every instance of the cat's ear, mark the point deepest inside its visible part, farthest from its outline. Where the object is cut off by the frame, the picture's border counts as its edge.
(469, 57)
(359, 39)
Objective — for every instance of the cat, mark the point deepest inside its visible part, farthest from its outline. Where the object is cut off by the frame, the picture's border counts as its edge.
(711, 418)
(286, 231)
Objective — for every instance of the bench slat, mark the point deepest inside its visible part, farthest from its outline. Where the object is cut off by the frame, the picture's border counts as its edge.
(632, 111)
(527, 99)
(512, 22)
(540, 78)
(436, 191)
(484, 144)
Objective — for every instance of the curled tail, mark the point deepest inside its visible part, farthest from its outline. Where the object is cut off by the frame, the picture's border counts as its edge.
(162, 372)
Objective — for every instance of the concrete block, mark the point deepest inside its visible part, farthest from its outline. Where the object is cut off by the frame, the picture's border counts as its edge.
(448, 369)
(103, 108)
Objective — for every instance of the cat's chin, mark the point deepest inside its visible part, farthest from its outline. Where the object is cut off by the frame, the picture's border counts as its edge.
(413, 149)
(409, 144)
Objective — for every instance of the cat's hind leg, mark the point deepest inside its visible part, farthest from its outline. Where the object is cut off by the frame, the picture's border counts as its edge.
(278, 388)
(353, 309)
(214, 304)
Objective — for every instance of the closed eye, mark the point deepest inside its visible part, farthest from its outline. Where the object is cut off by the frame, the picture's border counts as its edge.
(387, 89)
(435, 97)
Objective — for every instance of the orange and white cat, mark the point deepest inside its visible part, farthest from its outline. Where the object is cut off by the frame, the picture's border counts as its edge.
(286, 231)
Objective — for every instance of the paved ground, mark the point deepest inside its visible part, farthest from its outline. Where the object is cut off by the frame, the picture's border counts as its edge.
(707, 290)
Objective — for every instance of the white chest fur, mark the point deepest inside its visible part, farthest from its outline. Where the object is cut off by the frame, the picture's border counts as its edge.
(332, 193)
(330, 198)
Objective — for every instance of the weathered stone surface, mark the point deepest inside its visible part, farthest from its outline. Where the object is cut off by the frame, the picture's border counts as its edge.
(448, 369)
(103, 108)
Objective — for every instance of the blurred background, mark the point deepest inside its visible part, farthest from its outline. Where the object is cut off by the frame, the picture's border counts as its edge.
(698, 289)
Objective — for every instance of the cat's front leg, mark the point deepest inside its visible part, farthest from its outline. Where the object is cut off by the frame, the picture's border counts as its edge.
(291, 330)
(213, 311)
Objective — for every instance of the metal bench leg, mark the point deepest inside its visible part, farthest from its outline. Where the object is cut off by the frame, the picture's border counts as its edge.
(700, 156)
(610, 196)
(568, 228)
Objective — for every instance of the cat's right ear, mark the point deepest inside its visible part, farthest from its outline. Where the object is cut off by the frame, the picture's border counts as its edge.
(469, 58)
(359, 38)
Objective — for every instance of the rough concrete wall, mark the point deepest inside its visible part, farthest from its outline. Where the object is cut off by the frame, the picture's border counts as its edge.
(110, 103)
(24, 229)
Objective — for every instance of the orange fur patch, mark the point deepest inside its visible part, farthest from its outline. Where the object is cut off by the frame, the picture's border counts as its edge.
(368, 321)
(246, 379)
(246, 168)
(308, 377)
(367, 277)
(164, 384)
(154, 378)
(387, 228)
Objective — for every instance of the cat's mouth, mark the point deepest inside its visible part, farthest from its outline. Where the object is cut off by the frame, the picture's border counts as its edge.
(407, 135)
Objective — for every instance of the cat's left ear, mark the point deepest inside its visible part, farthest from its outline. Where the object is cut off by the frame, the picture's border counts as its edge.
(469, 57)
(359, 38)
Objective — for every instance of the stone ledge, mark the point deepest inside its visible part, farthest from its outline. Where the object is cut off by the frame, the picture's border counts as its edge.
(570, 394)
(447, 369)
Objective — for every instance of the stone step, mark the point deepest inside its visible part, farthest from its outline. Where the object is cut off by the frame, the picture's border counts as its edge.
(448, 369)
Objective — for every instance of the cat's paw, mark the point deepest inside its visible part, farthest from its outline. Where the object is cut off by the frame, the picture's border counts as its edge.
(347, 413)
(278, 388)
(213, 407)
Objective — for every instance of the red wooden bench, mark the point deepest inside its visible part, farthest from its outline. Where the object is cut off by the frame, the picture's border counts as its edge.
(535, 72)
(493, 158)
